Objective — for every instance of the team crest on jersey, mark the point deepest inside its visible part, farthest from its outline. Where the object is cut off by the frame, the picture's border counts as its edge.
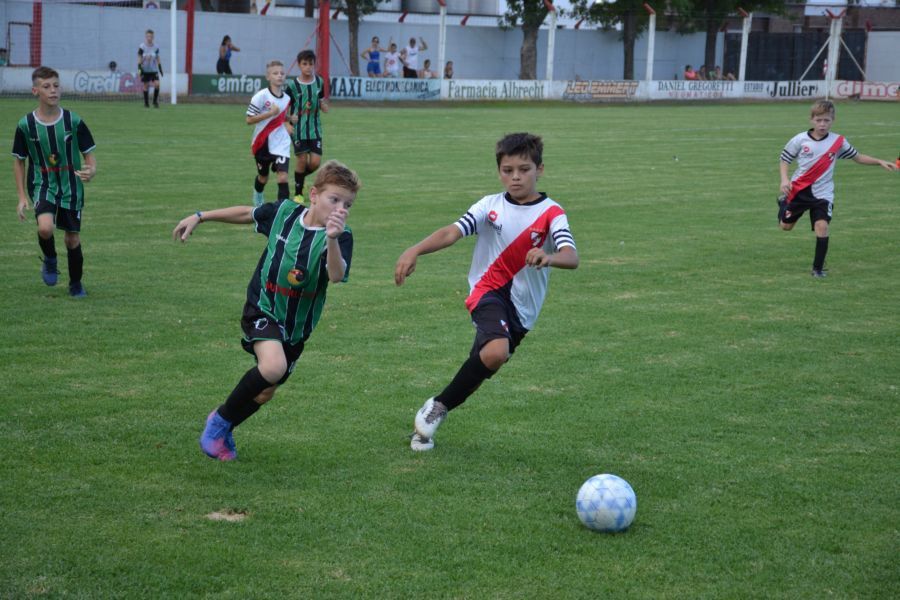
(296, 277)
(261, 324)
(52, 159)
(831, 156)
(537, 237)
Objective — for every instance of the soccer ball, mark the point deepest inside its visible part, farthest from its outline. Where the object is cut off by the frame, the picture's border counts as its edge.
(606, 503)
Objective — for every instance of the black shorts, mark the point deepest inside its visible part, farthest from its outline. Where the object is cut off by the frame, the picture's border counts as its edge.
(258, 326)
(149, 77)
(495, 318)
(265, 161)
(410, 73)
(819, 210)
(65, 219)
(308, 146)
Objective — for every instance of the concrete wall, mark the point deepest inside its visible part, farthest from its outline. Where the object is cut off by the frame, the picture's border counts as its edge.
(88, 37)
(882, 63)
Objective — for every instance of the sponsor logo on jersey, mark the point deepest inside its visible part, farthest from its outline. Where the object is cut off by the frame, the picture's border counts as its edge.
(492, 216)
(261, 324)
(805, 150)
(492, 221)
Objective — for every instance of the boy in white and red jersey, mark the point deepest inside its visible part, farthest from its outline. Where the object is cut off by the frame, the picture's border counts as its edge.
(271, 145)
(812, 185)
(521, 234)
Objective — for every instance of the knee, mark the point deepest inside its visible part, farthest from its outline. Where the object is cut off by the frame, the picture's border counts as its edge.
(786, 226)
(273, 369)
(72, 241)
(494, 358)
(262, 178)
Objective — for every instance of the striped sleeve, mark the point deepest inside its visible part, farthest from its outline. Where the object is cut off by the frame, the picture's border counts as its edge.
(847, 150)
(468, 223)
(790, 151)
(20, 144)
(560, 232)
(252, 108)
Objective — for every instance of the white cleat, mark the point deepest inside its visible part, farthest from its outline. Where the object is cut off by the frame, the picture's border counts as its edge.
(429, 418)
(420, 444)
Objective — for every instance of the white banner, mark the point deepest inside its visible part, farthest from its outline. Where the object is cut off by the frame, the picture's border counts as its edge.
(17, 80)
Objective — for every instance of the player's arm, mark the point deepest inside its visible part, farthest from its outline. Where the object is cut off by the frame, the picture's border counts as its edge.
(323, 105)
(88, 169)
(334, 260)
(19, 172)
(440, 239)
(273, 112)
(785, 177)
(865, 159)
(564, 258)
(239, 215)
(159, 66)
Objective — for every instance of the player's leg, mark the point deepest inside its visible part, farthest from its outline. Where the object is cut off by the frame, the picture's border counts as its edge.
(262, 177)
(821, 218)
(146, 81)
(45, 213)
(281, 167)
(75, 261)
(300, 160)
(155, 91)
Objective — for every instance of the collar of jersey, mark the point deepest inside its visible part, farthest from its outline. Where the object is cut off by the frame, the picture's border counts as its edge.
(541, 198)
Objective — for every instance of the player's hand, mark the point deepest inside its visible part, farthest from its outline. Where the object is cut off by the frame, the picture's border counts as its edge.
(185, 228)
(289, 128)
(406, 266)
(537, 258)
(21, 208)
(294, 119)
(273, 112)
(334, 225)
(86, 173)
(785, 187)
(888, 165)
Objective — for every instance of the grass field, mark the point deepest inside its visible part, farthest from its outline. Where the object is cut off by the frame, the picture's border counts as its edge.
(753, 408)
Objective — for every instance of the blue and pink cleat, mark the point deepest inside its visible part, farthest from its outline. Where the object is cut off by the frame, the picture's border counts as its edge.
(216, 441)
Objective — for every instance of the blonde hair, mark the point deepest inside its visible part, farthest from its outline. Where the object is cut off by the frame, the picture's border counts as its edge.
(822, 107)
(339, 175)
(274, 63)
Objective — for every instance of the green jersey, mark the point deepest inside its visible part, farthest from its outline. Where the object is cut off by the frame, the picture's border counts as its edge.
(291, 278)
(54, 154)
(306, 99)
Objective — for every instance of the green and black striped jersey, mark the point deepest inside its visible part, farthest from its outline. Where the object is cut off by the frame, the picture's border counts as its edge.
(291, 278)
(305, 101)
(54, 154)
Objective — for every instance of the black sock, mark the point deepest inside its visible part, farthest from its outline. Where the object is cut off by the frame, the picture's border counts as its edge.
(76, 264)
(258, 185)
(821, 251)
(469, 377)
(48, 246)
(156, 95)
(146, 98)
(240, 405)
(284, 191)
(299, 178)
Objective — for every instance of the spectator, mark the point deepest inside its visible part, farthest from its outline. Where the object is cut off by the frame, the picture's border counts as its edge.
(410, 58)
(113, 67)
(372, 54)
(3, 58)
(729, 76)
(448, 70)
(702, 74)
(425, 72)
(392, 61)
(717, 74)
(689, 73)
(223, 65)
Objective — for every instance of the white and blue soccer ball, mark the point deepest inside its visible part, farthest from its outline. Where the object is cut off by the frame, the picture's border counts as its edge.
(606, 503)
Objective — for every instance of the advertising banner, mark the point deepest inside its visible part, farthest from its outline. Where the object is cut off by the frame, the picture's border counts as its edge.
(867, 90)
(377, 88)
(227, 85)
(17, 80)
(471, 89)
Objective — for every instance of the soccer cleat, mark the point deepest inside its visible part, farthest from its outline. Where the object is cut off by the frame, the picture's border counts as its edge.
(49, 272)
(782, 207)
(229, 441)
(420, 444)
(258, 199)
(819, 273)
(76, 290)
(212, 440)
(298, 198)
(155, 104)
(429, 418)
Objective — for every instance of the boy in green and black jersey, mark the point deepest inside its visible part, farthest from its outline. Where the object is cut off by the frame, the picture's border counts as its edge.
(307, 93)
(53, 140)
(307, 248)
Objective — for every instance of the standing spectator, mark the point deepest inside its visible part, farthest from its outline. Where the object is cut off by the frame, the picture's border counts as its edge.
(689, 73)
(4, 60)
(372, 55)
(113, 67)
(425, 72)
(448, 70)
(223, 65)
(392, 61)
(150, 68)
(410, 58)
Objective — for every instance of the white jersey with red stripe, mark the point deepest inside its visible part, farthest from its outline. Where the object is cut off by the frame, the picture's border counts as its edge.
(506, 232)
(808, 152)
(270, 130)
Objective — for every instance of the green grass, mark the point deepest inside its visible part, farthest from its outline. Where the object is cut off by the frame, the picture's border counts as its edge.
(753, 409)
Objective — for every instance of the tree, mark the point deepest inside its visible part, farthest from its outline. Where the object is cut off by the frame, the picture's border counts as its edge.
(355, 11)
(531, 14)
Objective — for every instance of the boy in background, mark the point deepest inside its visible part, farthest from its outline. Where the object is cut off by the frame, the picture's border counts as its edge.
(307, 249)
(54, 140)
(307, 93)
(812, 185)
(521, 234)
(271, 145)
(150, 68)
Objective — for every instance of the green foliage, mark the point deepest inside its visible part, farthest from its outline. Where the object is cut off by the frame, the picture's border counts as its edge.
(752, 408)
